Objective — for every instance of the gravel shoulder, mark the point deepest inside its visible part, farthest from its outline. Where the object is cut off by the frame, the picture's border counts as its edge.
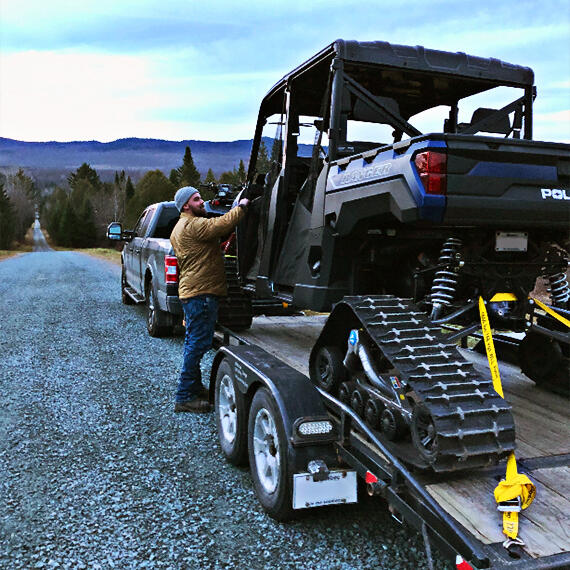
(96, 471)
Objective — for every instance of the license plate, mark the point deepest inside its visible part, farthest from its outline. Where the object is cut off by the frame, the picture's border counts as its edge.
(511, 241)
(338, 489)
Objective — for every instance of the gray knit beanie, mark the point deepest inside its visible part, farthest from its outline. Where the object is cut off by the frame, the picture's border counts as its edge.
(183, 195)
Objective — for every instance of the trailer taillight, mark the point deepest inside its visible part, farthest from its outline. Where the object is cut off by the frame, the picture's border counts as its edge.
(432, 168)
(170, 269)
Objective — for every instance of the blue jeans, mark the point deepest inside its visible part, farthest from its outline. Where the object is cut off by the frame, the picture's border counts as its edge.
(200, 313)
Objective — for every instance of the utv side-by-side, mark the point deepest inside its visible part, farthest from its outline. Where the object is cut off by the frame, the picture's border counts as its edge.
(400, 232)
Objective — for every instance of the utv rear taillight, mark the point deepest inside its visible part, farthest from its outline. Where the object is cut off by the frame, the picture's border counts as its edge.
(432, 168)
(171, 269)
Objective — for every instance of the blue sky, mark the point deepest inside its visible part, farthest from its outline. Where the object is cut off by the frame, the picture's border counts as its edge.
(187, 69)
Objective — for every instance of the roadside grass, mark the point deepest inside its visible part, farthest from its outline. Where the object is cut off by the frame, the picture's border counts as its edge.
(18, 247)
(105, 253)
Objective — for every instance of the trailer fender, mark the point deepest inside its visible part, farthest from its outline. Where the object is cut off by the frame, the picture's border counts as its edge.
(297, 398)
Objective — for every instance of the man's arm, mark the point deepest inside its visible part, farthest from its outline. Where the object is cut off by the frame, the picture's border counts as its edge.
(208, 228)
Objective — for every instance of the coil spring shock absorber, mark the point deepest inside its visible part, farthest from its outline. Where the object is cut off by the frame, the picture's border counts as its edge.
(559, 289)
(445, 280)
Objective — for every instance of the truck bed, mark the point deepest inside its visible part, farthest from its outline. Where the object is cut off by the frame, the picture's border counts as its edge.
(543, 445)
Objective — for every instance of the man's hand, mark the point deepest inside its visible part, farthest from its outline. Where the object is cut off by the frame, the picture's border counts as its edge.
(244, 202)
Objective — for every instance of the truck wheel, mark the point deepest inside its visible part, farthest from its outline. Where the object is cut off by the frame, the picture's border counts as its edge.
(157, 321)
(126, 299)
(231, 416)
(328, 370)
(268, 453)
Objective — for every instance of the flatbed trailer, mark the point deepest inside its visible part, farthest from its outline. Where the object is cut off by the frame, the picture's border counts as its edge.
(455, 511)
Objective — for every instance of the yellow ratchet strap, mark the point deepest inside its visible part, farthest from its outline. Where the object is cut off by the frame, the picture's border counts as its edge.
(552, 313)
(516, 491)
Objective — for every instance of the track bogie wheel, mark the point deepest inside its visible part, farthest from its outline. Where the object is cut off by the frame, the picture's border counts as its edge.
(372, 412)
(392, 424)
(357, 402)
(345, 392)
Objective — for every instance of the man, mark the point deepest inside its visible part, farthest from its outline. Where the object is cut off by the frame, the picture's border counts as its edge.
(202, 280)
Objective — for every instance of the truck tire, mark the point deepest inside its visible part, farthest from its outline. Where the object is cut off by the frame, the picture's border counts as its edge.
(157, 322)
(125, 298)
(231, 416)
(268, 457)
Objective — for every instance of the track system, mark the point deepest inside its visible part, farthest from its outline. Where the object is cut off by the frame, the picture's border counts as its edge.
(402, 376)
(235, 311)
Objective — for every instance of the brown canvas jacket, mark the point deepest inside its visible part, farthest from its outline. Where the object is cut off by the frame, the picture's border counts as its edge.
(196, 243)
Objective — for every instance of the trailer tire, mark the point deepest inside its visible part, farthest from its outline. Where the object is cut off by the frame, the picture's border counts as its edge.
(268, 457)
(231, 416)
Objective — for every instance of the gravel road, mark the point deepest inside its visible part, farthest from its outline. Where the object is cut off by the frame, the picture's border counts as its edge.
(96, 471)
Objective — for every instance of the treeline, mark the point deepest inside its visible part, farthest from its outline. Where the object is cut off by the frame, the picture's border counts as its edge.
(18, 198)
(77, 216)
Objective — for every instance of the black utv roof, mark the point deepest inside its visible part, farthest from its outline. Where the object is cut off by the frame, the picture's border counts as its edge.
(416, 77)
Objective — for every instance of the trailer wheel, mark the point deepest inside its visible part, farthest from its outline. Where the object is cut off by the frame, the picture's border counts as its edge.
(268, 455)
(328, 370)
(424, 432)
(231, 416)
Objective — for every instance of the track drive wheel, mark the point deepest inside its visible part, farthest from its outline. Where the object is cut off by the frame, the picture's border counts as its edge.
(424, 433)
(327, 369)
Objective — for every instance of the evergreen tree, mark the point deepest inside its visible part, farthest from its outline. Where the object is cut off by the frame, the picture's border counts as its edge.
(175, 178)
(7, 228)
(241, 174)
(152, 187)
(263, 164)
(189, 175)
(68, 225)
(229, 177)
(85, 172)
(129, 189)
(276, 151)
(210, 178)
(85, 235)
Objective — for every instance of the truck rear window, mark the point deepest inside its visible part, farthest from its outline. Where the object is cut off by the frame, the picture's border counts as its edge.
(166, 222)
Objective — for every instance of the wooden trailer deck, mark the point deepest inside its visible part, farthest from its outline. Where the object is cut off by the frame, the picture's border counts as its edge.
(543, 445)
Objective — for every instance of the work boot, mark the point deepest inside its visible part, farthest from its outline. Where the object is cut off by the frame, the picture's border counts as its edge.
(199, 405)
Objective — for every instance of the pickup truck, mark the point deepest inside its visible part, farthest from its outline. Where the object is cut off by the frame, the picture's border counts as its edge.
(149, 267)
(150, 274)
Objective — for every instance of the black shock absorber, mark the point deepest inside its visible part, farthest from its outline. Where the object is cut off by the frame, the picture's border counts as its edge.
(445, 279)
(559, 289)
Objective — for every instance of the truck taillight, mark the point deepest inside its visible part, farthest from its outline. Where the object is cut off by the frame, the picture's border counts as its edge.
(171, 269)
(432, 168)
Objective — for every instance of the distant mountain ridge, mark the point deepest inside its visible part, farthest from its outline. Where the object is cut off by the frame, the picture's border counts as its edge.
(124, 154)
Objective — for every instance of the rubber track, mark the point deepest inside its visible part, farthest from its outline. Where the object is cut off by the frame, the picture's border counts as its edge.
(235, 311)
(474, 424)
